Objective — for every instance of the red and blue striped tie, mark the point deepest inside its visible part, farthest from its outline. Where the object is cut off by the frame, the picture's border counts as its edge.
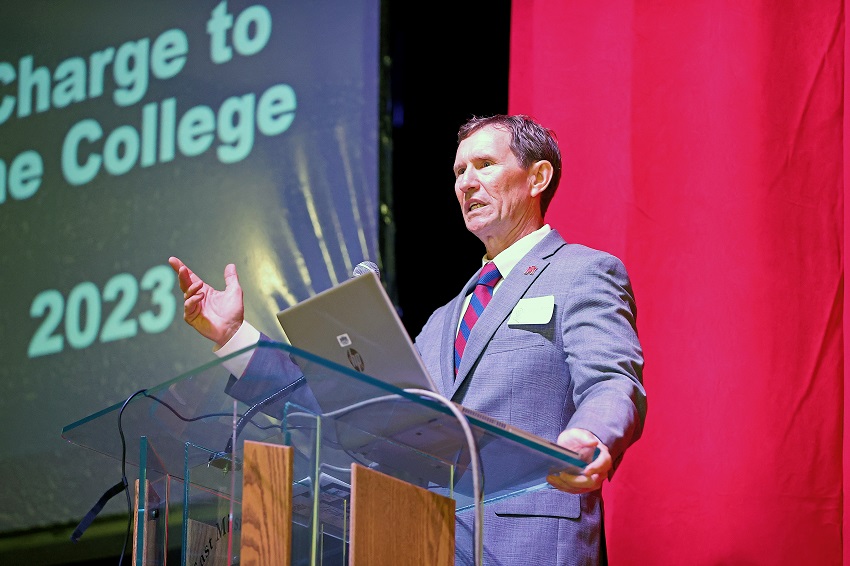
(480, 297)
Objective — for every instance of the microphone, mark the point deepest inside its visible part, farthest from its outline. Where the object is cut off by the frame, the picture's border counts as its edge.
(365, 267)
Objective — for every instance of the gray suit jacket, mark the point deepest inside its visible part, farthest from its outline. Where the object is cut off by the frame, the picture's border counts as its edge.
(579, 367)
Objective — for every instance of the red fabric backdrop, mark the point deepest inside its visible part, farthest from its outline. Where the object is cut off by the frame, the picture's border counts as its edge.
(703, 145)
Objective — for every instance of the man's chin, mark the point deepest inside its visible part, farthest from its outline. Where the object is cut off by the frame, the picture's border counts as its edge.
(477, 227)
(475, 219)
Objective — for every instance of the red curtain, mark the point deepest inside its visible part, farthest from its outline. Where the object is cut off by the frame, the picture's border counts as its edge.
(703, 145)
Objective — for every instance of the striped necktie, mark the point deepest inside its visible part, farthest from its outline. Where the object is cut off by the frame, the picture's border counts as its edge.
(480, 297)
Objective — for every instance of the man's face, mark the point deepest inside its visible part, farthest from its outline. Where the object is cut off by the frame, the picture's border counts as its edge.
(492, 188)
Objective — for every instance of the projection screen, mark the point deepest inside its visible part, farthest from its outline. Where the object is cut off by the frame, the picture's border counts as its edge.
(219, 132)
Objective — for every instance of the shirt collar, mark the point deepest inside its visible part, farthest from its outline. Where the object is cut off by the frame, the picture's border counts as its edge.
(508, 258)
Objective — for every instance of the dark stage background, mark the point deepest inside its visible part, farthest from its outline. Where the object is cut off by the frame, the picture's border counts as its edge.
(447, 66)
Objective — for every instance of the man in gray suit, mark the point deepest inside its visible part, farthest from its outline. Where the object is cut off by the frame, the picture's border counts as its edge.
(554, 352)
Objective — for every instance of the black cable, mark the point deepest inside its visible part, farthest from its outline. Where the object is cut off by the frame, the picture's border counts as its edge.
(204, 416)
(123, 485)
(124, 474)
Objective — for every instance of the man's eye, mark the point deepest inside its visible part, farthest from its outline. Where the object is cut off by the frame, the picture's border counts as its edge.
(486, 164)
(459, 172)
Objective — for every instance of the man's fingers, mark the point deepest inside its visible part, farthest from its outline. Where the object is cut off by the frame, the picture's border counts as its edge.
(595, 467)
(231, 278)
(183, 278)
(565, 481)
(186, 278)
(192, 307)
(183, 271)
(193, 289)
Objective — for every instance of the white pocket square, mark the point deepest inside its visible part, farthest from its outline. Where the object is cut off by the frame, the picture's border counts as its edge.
(533, 310)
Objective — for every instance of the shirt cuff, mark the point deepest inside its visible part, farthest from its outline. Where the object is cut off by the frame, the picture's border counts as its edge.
(246, 336)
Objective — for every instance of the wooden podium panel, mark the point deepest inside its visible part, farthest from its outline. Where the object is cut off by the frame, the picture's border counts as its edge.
(395, 523)
(266, 504)
(149, 544)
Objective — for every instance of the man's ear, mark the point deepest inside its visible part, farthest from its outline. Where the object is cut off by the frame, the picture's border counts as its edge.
(540, 174)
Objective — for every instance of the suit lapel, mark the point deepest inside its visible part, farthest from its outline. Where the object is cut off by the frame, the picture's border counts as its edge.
(514, 287)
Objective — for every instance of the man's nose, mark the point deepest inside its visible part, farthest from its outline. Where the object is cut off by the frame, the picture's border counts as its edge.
(465, 181)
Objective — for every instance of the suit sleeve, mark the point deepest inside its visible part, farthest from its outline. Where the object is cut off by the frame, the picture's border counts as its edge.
(605, 356)
(272, 370)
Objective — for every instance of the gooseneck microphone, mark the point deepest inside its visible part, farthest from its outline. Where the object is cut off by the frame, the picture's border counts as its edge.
(365, 267)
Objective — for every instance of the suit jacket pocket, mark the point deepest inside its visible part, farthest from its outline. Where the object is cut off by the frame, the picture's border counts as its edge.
(515, 339)
(547, 502)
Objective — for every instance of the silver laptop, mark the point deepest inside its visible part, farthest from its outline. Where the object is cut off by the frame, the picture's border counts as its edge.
(355, 325)
(356, 328)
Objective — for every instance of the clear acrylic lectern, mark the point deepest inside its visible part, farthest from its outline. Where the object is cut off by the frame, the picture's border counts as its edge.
(187, 439)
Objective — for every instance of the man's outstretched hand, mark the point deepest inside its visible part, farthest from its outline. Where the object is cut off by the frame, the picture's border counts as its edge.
(216, 315)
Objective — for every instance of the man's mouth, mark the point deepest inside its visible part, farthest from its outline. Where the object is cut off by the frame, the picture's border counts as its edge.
(475, 205)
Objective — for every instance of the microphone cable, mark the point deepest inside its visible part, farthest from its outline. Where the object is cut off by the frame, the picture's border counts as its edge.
(114, 490)
(477, 474)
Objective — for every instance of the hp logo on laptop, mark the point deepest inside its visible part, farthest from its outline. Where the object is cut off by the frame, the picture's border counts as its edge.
(356, 360)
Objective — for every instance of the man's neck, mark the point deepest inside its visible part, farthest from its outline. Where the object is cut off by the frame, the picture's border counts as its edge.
(510, 255)
(497, 245)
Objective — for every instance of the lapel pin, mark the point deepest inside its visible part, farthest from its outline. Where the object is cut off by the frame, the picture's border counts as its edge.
(530, 270)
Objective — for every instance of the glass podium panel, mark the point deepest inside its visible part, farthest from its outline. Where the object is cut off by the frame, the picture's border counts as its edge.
(211, 511)
(190, 432)
(158, 509)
